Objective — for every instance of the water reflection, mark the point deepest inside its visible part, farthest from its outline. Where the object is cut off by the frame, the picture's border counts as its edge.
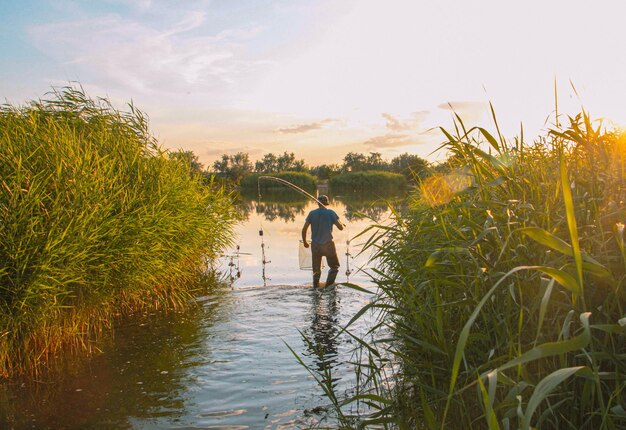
(272, 205)
(287, 205)
(140, 375)
(324, 329)
(373, 207)
(225, 363)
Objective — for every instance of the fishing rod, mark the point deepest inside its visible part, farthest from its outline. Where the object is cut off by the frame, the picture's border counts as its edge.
(303, 192)
(289, 184)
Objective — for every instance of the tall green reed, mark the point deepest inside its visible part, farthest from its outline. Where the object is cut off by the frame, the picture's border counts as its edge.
(503, 286)
(95, 221)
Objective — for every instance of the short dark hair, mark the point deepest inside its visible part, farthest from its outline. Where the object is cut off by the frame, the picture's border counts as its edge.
(323, 199)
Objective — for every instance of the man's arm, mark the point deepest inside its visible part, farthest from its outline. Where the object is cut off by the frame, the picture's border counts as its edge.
(304, 230)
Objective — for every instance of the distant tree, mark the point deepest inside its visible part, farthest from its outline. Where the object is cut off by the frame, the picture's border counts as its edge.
(325, 171)
(190, 159)
(233, 167)
(268, 164)
(410, 165)
(375, 162)
(221, 166)
(283, 163)
(300, 166)
(288, 162)
(240, 165)
(354, 162)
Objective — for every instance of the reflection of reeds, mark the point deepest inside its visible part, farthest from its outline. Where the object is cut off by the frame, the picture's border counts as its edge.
(95, 220)
(505, 294)
(282, 194)
(142, 360)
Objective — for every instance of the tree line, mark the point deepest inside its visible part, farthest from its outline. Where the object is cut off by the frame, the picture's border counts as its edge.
(236, 166)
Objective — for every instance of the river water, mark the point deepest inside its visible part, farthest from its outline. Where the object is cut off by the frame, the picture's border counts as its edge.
(226, 363)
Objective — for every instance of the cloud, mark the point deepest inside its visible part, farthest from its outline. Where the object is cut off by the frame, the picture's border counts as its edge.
(149, 58)
(395, 140)
(413, 122)
(389, 141)
(303, 128)
(469, 111)
(139, 5)
(229, 149)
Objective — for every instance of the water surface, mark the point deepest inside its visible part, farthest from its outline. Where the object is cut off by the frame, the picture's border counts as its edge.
(225, 363)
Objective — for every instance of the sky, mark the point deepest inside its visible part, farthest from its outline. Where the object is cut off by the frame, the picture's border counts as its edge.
(322, 78)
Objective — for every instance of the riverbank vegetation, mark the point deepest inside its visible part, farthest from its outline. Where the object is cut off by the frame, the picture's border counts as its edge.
(302, 180)
(503, 288)
(96, 220)
(237, 168)
(368, 181)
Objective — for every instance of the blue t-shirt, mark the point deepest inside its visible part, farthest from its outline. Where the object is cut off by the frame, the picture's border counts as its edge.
(322, 220)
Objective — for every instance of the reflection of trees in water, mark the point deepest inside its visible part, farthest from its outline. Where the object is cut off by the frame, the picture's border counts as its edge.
(360, 205)
(275, 195)
(283, 204)
(141, 374)
(273, 211)
(374, 213)
(287, 204)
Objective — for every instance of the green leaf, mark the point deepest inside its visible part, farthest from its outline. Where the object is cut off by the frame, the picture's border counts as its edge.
(488, 399)
(429, 415)
(356, 317)
(355, 287)
(492, 141)
(571, 224)
(464, 336)
(544, 388)
(553, 242)
(543, 307)
(562, 277)
(619, 411)
(373, 397)
(549, 349)
(547, 239)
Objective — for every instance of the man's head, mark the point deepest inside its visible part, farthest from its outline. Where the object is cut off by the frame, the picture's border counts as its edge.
(323, 199)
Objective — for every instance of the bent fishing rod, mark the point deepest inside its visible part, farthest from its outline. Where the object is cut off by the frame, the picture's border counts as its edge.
(289, 184)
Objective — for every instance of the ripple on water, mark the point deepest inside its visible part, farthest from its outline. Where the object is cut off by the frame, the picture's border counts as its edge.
(226, 366)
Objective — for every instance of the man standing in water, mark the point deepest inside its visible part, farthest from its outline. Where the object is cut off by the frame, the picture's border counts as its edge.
(321, 221)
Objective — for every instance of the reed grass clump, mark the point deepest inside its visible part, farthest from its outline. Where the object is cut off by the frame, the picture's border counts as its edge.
(302, 180)
(369, 181)
(503, 288)
(95, 221)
